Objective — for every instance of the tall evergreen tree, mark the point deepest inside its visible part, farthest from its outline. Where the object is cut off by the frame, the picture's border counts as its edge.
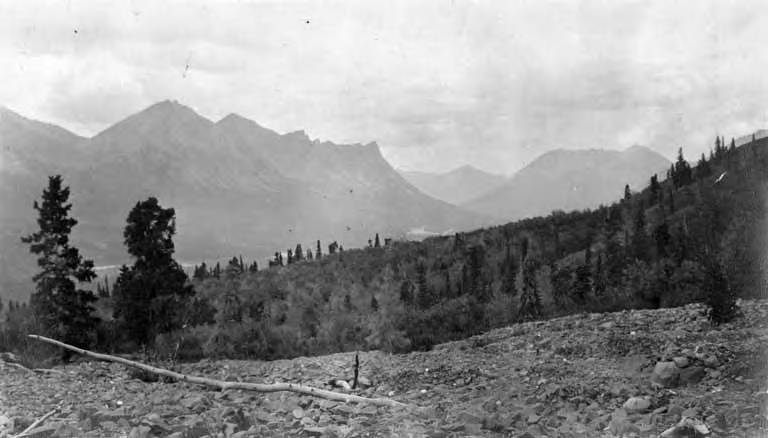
(703, 169)
(377, 243)
(153, 295)
(477, 281)
(201, 272)
(318, 251)
(426, 295)
(655, 188)
(599, 279)
(682, 174)
(583, 285)
(64, 309)
(530, 299)
(298, 255)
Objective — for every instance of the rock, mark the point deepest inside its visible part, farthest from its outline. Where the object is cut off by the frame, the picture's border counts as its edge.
(666, 374)
(637, 404)
(691, 375)
(687, 428)
(363, 382)
(681, 362)
(620, 424)
(139, 432)
(468, 417)
(690, 412)
(107, 415)
(315, 431)
(298, 413)
(6, 424)
(710, 361)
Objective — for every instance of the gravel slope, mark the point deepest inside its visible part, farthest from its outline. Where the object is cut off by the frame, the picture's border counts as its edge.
(585, 375)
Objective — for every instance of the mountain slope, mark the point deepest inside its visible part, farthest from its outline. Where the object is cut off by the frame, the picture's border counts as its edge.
(237, 188)
(569, 180)
(457, 186)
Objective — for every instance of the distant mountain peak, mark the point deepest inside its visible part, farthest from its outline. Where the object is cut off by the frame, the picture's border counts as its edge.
(157, 118)
(236, 120)
(171, 108)
(468, 169)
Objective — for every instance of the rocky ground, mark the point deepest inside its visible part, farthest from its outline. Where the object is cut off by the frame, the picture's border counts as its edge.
(637, 373)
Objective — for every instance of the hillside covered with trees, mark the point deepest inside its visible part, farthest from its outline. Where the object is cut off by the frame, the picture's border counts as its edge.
(695, 234)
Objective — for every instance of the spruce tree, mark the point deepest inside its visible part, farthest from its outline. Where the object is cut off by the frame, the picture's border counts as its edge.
(298, 254)
(583, 285)
(318, 251)
(655, 187)
(64, 309)
(153, 295)
(681, 173)
(425, 298)
(377, 243)
(703, 168)
(530, 300)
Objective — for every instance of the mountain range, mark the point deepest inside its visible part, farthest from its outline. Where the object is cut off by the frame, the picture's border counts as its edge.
(237, 188)
(570, 180)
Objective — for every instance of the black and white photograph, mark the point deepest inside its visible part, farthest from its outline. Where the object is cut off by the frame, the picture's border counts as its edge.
(367, 218)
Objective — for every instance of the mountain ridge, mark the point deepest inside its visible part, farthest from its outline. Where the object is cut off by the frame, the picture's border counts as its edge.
(568, 179)
(456, 185)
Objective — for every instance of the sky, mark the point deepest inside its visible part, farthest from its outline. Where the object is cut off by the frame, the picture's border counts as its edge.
(437, 84)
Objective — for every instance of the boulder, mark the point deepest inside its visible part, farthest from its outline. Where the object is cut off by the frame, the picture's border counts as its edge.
(691, 375)
(637, 404)
(681, 362)
(666, 374)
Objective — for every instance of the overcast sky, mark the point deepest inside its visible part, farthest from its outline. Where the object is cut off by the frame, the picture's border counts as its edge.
(437, 84)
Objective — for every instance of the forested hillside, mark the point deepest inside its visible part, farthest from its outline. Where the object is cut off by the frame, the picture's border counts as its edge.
(695, 234)
(690, 235)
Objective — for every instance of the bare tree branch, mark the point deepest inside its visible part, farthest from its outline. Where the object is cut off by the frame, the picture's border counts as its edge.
(223, 385)
(37, 422)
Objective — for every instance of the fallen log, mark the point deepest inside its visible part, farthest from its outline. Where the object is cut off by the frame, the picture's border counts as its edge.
(247, 386)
